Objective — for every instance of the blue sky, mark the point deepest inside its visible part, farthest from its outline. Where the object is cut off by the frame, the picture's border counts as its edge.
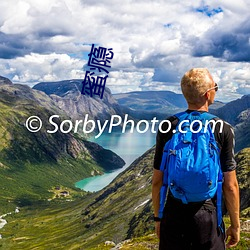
(154, 42)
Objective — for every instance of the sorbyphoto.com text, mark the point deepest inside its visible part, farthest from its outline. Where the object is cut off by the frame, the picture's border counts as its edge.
(87, 126)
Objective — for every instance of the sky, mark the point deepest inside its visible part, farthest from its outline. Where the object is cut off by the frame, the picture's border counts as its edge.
(154, 42)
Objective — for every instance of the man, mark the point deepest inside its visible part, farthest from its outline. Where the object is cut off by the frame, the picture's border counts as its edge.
(194, 225)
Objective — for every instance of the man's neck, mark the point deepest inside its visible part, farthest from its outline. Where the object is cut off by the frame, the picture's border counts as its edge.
(203, 107)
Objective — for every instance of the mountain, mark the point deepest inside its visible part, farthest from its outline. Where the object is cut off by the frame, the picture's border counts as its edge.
(141, 105)
(67, 96)
(147, 104)
(32, 163)
(167, 102)
(138, 105)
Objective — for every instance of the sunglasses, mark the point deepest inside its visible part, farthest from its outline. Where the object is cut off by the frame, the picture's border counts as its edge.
(216, 87)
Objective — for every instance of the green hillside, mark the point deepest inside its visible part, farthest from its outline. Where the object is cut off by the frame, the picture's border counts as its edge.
(31, 164)
(243, 175)
(87, 221)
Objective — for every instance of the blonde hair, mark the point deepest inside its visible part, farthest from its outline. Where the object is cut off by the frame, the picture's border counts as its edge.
(195, 83)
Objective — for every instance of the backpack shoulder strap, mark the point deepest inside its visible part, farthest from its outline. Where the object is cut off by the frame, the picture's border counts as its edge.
(182, 115)
(208, 116)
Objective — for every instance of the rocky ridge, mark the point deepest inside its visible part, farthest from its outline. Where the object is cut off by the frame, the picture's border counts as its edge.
(4, 80)
(67, 96)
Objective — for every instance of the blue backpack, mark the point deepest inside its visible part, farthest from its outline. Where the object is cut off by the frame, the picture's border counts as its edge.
(191, 162)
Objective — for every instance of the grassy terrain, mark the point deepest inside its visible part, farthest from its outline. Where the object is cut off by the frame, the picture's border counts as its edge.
(57, 225)
(51, 225)
(150, 242)
(32, 184)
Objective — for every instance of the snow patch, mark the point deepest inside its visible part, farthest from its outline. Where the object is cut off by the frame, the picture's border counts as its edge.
(143, 186)
(2, 223)
(142, 204)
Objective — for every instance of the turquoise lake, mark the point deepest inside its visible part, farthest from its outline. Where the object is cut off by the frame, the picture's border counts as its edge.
(129, 146)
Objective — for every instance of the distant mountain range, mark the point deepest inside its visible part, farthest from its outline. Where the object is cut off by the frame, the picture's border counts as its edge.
(138, 105)
(149, 104)
(66, 95)
(152, 103)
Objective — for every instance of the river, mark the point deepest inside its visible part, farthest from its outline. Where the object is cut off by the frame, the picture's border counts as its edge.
(128, 146)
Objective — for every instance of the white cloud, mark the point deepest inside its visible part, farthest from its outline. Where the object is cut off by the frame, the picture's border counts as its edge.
(153, 41)
(16, 18)
(35, 68)
(127, 81)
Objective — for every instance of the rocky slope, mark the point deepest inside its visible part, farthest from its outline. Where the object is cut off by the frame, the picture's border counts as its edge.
(232, 110)
(242, 130)
(237, 114)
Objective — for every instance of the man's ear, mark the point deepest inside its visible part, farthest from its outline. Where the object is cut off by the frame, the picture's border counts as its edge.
(207, 95)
